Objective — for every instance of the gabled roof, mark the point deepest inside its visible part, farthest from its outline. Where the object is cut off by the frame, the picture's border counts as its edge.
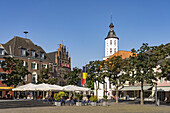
(124, 54)
(12, 46)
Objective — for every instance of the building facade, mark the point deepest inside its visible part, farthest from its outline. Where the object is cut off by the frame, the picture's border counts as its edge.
(62, 63)
(32, 55)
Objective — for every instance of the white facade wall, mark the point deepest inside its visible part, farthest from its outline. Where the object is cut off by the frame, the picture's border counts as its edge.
(111, 46)
(101, 89)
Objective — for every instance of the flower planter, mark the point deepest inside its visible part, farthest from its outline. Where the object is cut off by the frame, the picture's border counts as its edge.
(57, 103)
(78, 103)
(93, 103)
(105, 103)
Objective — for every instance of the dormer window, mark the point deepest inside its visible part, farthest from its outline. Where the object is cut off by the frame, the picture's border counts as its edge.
(2, 51)
(41, 55)
(23, 52)
(33, 53)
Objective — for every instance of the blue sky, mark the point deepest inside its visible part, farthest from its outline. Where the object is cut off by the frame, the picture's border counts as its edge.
(83, 24)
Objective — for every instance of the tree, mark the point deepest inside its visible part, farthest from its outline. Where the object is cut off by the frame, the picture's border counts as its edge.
(45, 76)
(163, 53)
(142, 65)
(114, 70)
(94, 69)
(16, 71)
(73, 77)
(165, 69)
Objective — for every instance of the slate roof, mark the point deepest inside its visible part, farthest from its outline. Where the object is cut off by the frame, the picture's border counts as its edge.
(17, 43)
(111, 33)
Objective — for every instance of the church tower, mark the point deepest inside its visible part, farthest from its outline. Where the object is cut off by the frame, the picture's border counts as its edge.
(111, 42)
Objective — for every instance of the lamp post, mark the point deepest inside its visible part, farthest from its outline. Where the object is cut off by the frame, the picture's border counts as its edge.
(156, 100)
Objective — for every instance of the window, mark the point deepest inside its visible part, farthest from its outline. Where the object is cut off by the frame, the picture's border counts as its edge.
(34, 66)
(41, 55)
(115, 42)
(115, 50)
(25, 78)
(1, 76)
(44, 66)
(1, 62)
(23, 52)
(110, 50)
(0, 94)
(33, 53)
(25, 63)
(2, 51)
(34, 78)
(110, 42)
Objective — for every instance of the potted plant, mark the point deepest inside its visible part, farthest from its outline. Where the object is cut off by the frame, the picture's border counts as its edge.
(93, 100)
(57, 97)
(79, 97)
(105, 103)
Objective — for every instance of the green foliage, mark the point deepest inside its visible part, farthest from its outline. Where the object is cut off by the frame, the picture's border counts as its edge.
(165, 68)
(56, 97)
(52, 81)
(16, 71)
(114, 69)
(142, 65)
(105, 98)
(163, 52)
(59, 95)
(94, 68)
(45, 76)
(79, 97)
(93, 99)
(73, 77)
(90, 84)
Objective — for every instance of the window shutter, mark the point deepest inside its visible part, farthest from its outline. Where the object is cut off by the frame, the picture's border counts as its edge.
(26, 63)
(37, 66)
(47, 66)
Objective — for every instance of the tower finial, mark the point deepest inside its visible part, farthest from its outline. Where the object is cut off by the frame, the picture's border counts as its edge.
(111, 24)
(111, 16)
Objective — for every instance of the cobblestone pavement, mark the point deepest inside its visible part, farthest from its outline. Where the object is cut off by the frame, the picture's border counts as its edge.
(112, 108)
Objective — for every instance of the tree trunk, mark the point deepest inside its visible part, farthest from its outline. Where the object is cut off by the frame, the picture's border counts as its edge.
(141, 94)
(117, 92)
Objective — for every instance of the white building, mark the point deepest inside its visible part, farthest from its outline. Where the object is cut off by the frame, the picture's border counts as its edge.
(111, 42)
(111, 49)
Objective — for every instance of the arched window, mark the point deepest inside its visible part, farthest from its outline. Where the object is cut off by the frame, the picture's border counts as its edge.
(110, 50)
(115, 42)
(110, 42)
(115, 50)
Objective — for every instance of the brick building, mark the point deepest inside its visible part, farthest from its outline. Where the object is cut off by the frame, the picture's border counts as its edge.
(32, 55)
(62, 63)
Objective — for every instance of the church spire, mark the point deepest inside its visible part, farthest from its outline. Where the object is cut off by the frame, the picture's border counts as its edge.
(111, 24)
